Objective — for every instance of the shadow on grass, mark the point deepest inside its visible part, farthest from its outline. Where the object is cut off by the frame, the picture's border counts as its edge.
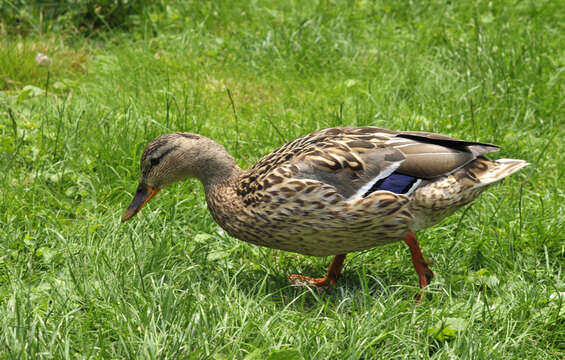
(352, 287)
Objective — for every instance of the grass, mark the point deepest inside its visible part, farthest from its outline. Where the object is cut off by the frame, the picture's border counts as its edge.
(76, 283)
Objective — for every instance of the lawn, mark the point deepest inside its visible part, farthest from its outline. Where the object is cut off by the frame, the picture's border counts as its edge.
(75, 282)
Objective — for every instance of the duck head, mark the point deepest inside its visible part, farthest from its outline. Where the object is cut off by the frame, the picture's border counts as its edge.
(176, 156)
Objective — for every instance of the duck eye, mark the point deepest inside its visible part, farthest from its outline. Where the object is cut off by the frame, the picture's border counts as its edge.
(154, 161)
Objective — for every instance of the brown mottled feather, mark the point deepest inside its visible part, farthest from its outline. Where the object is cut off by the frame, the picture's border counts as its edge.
(309, 196)
(349, 157)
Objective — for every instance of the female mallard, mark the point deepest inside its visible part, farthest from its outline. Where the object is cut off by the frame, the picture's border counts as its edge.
(331, 192)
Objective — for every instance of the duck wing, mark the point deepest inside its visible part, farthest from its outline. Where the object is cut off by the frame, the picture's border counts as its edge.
(359, 160)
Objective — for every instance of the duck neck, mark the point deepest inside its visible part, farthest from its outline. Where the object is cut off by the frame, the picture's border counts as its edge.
(224, 204)
(219, 172)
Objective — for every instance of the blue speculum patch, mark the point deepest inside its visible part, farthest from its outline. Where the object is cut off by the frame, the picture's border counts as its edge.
(395, 182)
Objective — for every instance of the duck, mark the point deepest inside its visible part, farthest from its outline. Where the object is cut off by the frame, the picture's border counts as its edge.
(331, 192)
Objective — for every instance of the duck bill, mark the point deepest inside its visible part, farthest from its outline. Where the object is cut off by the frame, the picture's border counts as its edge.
(143, 194)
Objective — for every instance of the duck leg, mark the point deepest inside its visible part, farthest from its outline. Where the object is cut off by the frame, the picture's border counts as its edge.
(420, 264)
(333, 272)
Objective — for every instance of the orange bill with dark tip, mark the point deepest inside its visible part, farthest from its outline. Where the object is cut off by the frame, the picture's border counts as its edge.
(143, 194)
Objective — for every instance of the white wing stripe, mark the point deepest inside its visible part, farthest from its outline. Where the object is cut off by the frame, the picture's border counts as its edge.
(431, 154)
(399, 141)
(370, 184)
(413, 187)
(405, 145)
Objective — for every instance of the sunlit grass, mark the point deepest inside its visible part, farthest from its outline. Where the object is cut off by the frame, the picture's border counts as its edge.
(75, 282)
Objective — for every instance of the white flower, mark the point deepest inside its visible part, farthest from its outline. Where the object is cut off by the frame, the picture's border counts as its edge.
(42, 59)
(557, 295)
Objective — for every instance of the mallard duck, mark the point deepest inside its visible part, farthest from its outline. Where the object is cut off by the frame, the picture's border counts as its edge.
(331, 192)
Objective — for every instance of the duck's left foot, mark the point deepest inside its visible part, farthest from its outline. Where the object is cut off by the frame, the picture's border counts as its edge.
(330, 279)
(420, 264)
(306, 280)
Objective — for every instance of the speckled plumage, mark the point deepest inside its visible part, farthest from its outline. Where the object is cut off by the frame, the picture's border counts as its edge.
(298, 198)
(319, 194)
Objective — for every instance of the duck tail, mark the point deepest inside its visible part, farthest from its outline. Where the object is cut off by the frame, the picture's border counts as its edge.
(499, 169)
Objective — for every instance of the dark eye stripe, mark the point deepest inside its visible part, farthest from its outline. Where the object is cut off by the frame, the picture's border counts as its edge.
(156, 160)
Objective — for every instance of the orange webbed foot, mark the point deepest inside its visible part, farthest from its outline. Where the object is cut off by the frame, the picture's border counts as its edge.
(425, 274)
(318, 282)
(330, 279)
